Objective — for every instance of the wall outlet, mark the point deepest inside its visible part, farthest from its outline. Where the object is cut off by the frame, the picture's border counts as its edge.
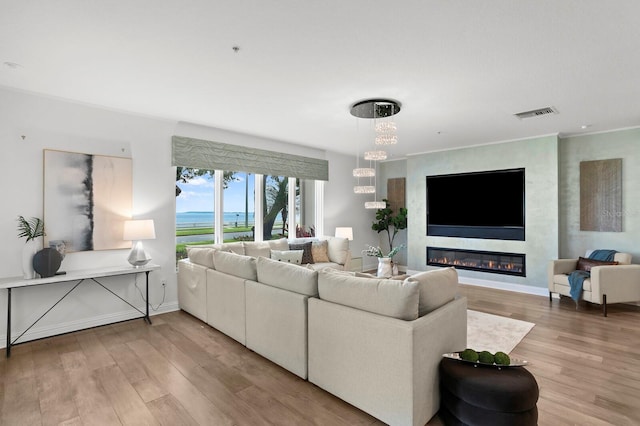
(163, 283)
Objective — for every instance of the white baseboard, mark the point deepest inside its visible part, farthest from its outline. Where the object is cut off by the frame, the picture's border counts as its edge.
(67, 327)
(519, 288)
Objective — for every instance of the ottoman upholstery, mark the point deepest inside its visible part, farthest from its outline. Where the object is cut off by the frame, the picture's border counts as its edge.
(483, 395)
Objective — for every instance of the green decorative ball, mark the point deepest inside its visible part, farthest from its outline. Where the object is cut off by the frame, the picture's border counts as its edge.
(469, 355)
(501, 358)
(485, 357)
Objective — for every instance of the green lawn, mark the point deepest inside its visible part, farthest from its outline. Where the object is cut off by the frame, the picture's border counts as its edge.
(183, 232)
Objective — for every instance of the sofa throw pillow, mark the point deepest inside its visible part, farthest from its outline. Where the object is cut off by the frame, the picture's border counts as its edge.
(307, 257)
(585, 264)
(436, 288)
(287, 256)
(319, 251)
(256, 248)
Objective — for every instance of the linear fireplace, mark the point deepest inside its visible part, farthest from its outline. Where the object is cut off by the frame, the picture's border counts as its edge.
(475, 260)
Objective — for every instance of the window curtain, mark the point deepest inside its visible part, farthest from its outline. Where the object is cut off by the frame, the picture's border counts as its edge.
(203, 154)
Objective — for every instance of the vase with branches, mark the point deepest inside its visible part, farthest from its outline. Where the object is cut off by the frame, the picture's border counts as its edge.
(31, 229)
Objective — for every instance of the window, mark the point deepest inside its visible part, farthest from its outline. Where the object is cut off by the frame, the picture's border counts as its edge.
(195, 191)
(196, 215)
(273, 216)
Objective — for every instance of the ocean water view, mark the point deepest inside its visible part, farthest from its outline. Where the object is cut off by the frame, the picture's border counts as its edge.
(205, 219)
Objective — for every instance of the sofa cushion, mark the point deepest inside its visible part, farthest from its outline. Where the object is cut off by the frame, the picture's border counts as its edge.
(237, 248)
(585, 264)
(396, 299)
(436, 288)
(287, 276)
(338, 249)
(563, 279)
(288, 256)
(324, 265)
(257, 248)
(201, 256)
(235, 264)
(279, 244)
(319, 251)
(307, 257)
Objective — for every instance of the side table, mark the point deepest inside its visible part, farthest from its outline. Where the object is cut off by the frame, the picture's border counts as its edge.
(485, 395)
(79, 277)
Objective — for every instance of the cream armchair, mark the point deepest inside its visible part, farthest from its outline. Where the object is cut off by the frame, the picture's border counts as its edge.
(607, 284)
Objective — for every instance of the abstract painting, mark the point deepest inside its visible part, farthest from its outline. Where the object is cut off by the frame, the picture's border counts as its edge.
(601, 195)
(87, 198)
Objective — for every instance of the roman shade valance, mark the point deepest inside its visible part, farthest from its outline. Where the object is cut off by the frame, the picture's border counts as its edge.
(203, 154)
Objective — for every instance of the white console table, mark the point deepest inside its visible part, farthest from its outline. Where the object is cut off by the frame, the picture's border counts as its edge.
(79, 276)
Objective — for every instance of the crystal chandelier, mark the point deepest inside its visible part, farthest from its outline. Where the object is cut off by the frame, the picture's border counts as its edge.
(364, 172)
(375, 155)
(364, 189)
(375, 205)
(385, 131)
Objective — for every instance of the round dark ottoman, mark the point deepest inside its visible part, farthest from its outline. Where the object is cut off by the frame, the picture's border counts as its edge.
(485, 395)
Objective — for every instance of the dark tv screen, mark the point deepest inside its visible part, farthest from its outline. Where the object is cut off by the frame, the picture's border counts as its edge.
(477, 205)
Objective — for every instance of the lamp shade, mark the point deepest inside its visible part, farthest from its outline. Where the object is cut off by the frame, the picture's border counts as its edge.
(345, 232)
(135, 230)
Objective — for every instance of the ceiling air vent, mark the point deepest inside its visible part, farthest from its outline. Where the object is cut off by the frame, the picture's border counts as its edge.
(536, 112)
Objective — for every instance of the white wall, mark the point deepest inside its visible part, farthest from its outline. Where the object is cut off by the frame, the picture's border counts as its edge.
(48, 123)
(344, 208)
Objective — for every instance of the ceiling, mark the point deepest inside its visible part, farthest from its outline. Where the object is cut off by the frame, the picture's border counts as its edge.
(460, 69)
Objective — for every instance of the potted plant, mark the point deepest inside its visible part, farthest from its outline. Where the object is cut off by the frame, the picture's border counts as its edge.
(31, 229)
(387, 221)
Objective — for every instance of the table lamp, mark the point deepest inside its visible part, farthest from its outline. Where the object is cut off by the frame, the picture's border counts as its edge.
(345, 232)
(138, 230)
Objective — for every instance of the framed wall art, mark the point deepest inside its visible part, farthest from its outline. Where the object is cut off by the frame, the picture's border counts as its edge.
(601, 195)
(87, 198)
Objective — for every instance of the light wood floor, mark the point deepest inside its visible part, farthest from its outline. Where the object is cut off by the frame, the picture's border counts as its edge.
(180, 371)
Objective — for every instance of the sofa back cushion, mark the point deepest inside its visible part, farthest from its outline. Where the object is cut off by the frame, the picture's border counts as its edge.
(622, 258)
(201, 256)
(235, 264)
(237, 248)
(287, 276)
(392, 298)
(436, 288)
(280, 244)
(257, 248)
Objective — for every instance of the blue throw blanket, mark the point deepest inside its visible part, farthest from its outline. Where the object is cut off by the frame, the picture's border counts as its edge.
(576, 278)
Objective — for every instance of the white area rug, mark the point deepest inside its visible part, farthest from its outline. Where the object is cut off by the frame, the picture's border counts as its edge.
(487, 332)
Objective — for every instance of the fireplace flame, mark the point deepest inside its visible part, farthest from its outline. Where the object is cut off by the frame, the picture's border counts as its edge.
(477, 264)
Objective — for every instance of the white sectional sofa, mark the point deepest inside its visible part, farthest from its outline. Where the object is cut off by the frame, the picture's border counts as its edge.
(375, 343)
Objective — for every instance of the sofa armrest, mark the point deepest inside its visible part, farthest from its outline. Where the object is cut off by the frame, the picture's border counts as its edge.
(347, 262)
(559, 266)
(563, 266)
(621, 283)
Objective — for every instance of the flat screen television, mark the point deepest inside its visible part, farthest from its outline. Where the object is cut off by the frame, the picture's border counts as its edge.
(488, 204)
